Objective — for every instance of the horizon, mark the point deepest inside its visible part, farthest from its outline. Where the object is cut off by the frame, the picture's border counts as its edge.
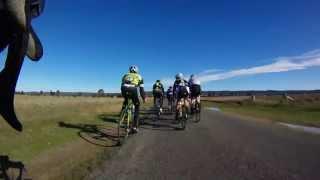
(106, 92)
(228, 45)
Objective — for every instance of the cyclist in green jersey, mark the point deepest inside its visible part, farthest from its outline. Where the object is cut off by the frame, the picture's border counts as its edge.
(132, 87)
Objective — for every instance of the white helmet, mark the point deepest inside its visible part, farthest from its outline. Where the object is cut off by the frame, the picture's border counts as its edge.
(179, 76)
(134, 69)
(194, 80)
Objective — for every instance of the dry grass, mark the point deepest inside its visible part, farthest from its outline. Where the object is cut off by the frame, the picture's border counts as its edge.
(226, 98)
(49, 150)
(304, 110)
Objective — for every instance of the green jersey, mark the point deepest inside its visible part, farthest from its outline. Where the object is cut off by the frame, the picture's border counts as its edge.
(132, 79)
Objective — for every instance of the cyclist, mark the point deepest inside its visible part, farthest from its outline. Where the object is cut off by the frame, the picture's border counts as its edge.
(132, 87)
(195, 88)
(158, 92)
(181, 92)
(170, 95)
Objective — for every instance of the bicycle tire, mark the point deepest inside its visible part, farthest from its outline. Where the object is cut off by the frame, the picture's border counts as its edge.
(120, 124)
(10, 174)
(158, 107)
(197, 112)
(184, 118)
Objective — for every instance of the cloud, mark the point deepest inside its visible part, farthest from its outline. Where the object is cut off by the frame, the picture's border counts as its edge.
(209, 71)
(167, 81)
(281, 64)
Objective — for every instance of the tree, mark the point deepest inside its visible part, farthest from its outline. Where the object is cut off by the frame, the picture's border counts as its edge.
(57, 93)
(51, 93)
(100, 93)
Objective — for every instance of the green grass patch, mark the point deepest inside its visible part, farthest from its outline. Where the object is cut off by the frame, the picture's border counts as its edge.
(45, 144)
(302, 113)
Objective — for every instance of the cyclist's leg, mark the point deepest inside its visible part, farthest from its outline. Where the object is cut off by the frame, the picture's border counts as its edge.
(154, 99)
(136, 101)
(161, 100)
(124, 92)
(192, 104)
(199, 102)
(179, 103)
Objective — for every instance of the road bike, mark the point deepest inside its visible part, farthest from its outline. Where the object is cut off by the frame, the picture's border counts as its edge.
(196, 109)
(182, 113)
(170, 104)
(158, 107)
(125, 121)
(11, 170)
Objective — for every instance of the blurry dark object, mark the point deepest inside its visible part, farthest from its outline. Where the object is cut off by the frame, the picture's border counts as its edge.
(6, 165)
(16, 34)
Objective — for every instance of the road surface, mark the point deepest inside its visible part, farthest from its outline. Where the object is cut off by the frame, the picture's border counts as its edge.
(219, 147)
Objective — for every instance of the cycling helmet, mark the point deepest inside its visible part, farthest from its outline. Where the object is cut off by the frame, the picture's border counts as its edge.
(158, 81)
(134, 69)
(179, 76)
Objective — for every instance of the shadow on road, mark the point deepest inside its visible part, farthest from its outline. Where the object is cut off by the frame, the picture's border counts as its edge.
(100, 135)
(151, 121)
(11, 169)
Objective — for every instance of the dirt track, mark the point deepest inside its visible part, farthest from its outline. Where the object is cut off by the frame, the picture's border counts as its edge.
(219, 147)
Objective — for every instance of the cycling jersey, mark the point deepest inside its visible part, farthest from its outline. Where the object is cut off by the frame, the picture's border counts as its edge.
(158, 87)
(132, 79)
(181, 89)
(195, 87)
(194, 81)
(169, 92)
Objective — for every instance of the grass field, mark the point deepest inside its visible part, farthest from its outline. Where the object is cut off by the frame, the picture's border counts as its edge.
(57, 139)
(304, 110)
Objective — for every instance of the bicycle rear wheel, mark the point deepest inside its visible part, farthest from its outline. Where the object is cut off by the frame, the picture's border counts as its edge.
(171, 106)
(158, 106)
(197, 112)
(14, 173)
(184, 118)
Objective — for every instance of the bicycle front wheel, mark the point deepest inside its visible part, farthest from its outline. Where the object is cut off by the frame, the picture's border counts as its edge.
(122, 125)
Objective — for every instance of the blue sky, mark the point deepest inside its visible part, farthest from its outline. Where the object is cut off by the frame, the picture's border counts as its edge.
(90, 44)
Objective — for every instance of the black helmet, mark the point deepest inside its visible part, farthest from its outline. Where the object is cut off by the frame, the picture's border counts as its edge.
(134, 69)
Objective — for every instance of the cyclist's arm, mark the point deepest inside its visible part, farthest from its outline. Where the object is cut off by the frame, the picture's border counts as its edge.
(122, 80)
(174, 88)
(142, 92)
(162, 88)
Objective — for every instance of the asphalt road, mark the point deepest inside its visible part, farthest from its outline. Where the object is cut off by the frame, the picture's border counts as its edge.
(218, 147)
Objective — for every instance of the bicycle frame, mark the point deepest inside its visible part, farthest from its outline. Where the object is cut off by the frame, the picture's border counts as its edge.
(171, 103)
(6, 164)
(126, 118)
(196, 108)
(158, 106)
(181, 109)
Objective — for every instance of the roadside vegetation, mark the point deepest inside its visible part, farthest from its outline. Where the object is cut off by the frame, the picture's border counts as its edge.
(301, 109)
(63, 137)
